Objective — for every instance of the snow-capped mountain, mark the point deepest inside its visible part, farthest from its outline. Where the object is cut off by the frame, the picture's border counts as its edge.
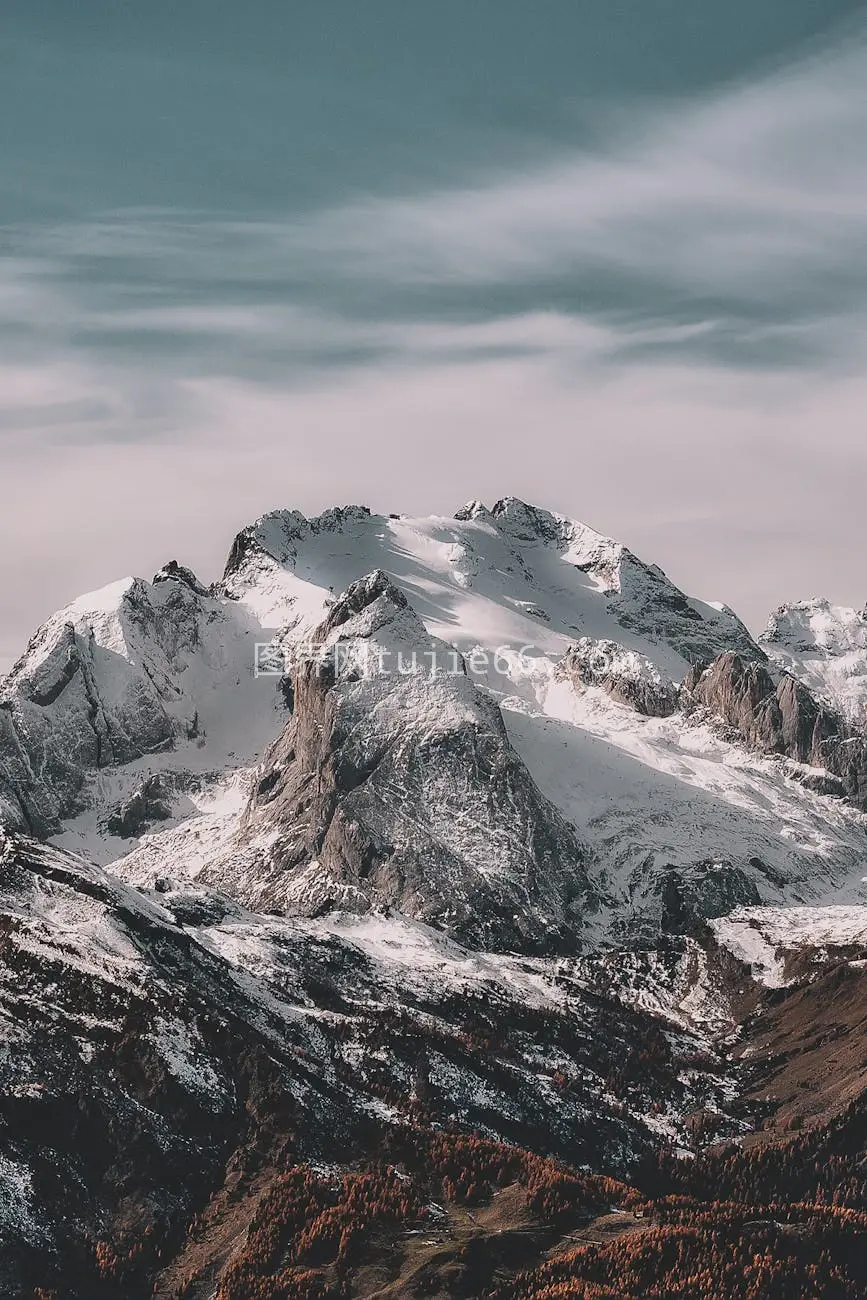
(466, 778)
(134, 670)
(134, 724)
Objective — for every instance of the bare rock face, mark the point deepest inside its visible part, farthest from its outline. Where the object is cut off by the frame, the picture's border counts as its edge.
(173, 571)
(625, 675)
(781, 716)
(708, 890)
(148, 804)
(395, 785)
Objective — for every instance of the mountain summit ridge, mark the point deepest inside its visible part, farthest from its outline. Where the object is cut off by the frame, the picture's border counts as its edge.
(142, 713)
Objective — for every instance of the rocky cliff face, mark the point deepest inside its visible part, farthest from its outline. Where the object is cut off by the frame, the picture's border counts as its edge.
(395, 785)
(780, 715)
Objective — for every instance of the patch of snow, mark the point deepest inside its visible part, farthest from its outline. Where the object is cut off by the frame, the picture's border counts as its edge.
(181, 1047)
(762, 937)
(16, 1201)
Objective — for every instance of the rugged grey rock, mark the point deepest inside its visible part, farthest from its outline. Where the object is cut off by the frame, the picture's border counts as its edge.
(781, 716)
(74, 703)
(150, 803)
(624, 674)
(397, 787)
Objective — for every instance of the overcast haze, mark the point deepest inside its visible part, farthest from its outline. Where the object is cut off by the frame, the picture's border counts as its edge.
(608, 257)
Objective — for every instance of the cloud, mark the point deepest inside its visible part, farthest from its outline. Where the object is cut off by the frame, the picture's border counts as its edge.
(742, 216)
(665, 336)
(711, 195)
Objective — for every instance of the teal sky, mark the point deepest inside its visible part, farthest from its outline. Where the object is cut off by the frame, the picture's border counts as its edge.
(608, 256)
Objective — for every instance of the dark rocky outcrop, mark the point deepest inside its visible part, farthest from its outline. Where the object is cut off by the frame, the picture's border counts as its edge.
(780, 715)
(625, 675)
(172, 571)
(150, 803)
(707, 890)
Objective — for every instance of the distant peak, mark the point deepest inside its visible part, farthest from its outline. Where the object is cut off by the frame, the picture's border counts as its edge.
(816, 625)
(277, 533)
(271, 534)
(338, 518)
(473, 510)
(529, 523)
(361, 595)
(172, 571)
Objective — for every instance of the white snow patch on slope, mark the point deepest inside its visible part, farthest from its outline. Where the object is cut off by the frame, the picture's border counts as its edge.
(761, 937)
(183, 1051)
(202, 830)
(660, 789)
(408, 952)
(16, 1200)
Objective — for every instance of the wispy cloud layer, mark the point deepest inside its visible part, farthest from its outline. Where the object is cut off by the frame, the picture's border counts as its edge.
(685, 308)
(762, 181)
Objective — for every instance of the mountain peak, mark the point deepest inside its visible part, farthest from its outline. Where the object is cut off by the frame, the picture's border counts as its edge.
(374, 587)
(825, 645)
(172, 571)
(817, 625)
(531, 523)
(272, 535)
(474, 509)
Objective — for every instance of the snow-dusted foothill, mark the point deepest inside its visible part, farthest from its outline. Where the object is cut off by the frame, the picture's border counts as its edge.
(155, 1045)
